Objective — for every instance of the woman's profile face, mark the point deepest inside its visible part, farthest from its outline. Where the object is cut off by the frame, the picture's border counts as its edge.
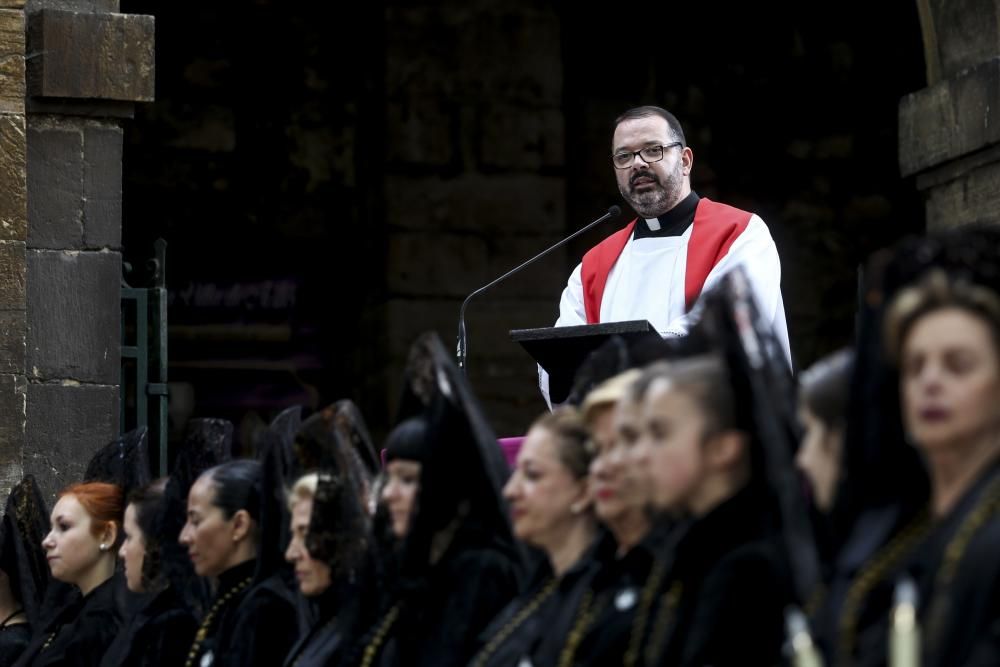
(545, 498)
(400, 493)
(71, 548)
(133, 551)
(211, 539)
(818, 457)
(949, 380)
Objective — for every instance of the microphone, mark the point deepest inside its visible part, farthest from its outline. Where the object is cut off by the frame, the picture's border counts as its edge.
(463, 349)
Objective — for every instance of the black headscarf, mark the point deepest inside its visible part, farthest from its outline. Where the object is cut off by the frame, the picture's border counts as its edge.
(25, 525)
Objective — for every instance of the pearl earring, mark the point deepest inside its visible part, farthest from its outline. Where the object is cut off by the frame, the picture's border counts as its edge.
(103, 547)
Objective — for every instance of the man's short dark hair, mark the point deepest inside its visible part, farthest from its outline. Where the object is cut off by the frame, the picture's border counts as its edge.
(646, 112)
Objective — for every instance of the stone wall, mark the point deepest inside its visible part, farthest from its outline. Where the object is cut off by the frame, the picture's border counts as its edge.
(60, 228)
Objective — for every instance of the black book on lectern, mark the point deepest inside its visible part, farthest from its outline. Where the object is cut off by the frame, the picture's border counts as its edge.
(562, 350)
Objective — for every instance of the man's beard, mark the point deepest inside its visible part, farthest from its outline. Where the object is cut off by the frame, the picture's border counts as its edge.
(656, 200)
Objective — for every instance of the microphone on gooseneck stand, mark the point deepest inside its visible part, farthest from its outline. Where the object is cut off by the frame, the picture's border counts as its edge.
(463, 349)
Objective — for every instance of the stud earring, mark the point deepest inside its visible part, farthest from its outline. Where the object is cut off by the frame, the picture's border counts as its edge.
(103, 547)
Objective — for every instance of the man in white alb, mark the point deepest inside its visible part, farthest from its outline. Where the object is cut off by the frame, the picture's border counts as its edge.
(657, 267)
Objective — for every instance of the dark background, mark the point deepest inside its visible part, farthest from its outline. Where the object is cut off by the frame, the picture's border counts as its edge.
(333, 180)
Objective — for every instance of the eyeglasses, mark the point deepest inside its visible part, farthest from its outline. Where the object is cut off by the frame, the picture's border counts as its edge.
(648, 154)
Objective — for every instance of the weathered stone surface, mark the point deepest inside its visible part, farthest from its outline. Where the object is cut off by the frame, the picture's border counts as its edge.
(521, 138)
(55, 186)
(11, 4)
(91, 56)
(13, 178)
(11, 61)
(74, 316)
(972, 198)
(964, 33)
(102, 186)
(13, 327)
(66, 424)
(13, 389)
(950, 119)
(75, 5)
(12, 275)
(436, 264)
(495, 205)
(419, 130)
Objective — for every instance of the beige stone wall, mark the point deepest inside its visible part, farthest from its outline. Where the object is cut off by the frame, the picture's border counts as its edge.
(13, 234)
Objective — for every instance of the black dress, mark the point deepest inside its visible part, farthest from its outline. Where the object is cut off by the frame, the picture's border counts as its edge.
(532, 629)
(723, 600)
(957, 570)
(80, 633)
(14, 639)
(159, 633)
(252, 624)
(437, 623)
(603, 626)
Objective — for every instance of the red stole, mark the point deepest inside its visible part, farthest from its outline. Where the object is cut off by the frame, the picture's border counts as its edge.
(715, 228)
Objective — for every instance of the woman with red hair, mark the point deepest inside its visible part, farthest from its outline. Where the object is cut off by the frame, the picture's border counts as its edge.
(80, 549)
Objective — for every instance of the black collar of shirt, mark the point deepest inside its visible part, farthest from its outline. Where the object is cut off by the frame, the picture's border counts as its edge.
(672, 223)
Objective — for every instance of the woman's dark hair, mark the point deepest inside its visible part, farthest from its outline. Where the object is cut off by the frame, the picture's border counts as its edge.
(148, 502)
(824, 387)
(237, 487)
(408, 440)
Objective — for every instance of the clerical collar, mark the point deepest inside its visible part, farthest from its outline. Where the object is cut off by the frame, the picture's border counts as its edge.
(672, 223)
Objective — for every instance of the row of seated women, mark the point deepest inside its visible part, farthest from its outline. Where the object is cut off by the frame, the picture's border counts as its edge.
(669, 517)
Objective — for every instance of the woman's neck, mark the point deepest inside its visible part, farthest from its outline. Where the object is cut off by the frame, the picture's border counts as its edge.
(8, 603)
(97, 575)
(629, 529)
(955, 470)
(570, 544)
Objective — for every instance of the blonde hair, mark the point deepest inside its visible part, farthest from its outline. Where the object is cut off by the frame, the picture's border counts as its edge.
(303, 489)
(934, 292)
(609, 392)
(573, 445)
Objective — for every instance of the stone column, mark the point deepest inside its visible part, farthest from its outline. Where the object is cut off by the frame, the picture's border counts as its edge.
(949, 132)
(13, 234)
(88, 66)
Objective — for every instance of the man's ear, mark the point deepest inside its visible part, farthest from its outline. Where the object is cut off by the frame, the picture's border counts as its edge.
(687, 160)
(242, 525)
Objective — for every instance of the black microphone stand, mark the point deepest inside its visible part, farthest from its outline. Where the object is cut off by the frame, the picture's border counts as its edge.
(463, 349)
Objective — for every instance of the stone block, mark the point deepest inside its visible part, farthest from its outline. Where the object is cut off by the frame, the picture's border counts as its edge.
(74, 316)
(12, 76)
(91, 55)
(102, 187)
(971, 198)
(13, 327)
(66, 424)
(55, 187)
(13, 388)
(75, 5)
(420, 130)
(521, 138)
(11, 4)
(965, 33)
(436, 264)
(950, 119)
(497, 205)
(13, 178)
(12, 275)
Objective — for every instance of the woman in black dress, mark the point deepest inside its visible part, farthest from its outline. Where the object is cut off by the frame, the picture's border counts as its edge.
(162, 628)
(80, 548)
(456, 564)
(550, 510)
(24, 573)
(249, 621)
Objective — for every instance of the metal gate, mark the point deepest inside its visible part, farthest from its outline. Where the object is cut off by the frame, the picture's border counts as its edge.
(144, 356)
